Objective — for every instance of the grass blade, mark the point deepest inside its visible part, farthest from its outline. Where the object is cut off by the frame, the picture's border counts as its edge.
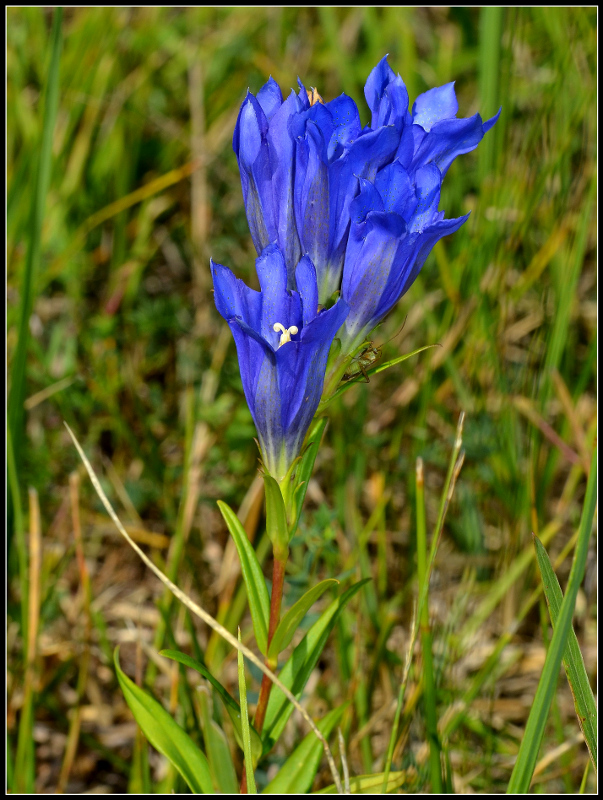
(429, 692)
(17, 388)
(573, 662)
(530, 744)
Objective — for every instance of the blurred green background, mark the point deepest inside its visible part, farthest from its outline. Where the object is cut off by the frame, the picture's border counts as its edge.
(123, 343)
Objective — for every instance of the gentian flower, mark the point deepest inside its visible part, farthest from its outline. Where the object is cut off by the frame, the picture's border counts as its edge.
(395, 220)
(282, 343)
(395, 224)
(265, 153)
(332, 155)
(431, 133)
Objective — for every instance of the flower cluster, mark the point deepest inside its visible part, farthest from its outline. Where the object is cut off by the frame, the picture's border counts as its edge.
(333, 209)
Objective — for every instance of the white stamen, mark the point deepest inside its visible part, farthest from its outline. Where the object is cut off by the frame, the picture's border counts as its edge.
(286, 334)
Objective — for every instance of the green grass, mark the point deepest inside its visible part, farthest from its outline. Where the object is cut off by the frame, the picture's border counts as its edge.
(112, 328)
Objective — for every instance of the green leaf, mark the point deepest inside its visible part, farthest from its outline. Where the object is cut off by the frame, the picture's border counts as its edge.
(299, 770)
(297, 670)
(232, 707)
(246, 728)
(304, 470)
(166, 735)
(370, 784)
(257, 592)
(534, 730)
(290, 622)
(276, 519)
(584, 700)
(218, 753)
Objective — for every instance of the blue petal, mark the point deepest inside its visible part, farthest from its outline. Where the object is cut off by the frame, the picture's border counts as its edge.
(305, 276)
(369, 199)
(253, 154)
(366, 155)
(233, 298)
(368, 259)
(270, 98)
(281, 159)
(434, 106)
(272, 274)
(387, 97)
(491, 122)
(449, 139)
(250, 131)
(428, 185)
(301, 367)
(346, 124)
(410, 259)
(311, 197)
(395, 187)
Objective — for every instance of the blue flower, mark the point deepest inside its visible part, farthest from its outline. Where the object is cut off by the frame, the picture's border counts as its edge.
(395, 224)
(431, 134)
(265, 153)
(395, 220)
(282, 342)
(332, 155)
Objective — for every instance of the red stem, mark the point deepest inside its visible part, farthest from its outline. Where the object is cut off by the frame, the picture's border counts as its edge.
(278, 580)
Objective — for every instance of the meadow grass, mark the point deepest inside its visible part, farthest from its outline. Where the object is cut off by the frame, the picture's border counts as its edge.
(115, 203)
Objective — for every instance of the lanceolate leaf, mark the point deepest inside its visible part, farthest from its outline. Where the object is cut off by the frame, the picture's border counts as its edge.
(166, 735)
(299, 770)
(276, 518)
(257, 592)
(290, 622)
(573, 662)
(306, 466)
(231, 705)
(297, 670)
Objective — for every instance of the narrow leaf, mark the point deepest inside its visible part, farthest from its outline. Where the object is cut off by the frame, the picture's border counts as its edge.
(290, 622)
(218, 753)
(257, 592)
(299, 770)
(306, 466)
(534, 730)
(232, 707)
(296, 671)
(251, 788)
(276, 518)
(584, 700)
(166, 735)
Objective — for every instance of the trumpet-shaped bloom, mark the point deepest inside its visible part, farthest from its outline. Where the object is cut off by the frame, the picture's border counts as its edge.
(395, 224)
(332, 155)
(431, 133)
(282, 343)
(395, 220)
(265, 153)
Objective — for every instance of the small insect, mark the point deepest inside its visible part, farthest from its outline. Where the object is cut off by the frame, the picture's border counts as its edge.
(362, 362)
(367, 358)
